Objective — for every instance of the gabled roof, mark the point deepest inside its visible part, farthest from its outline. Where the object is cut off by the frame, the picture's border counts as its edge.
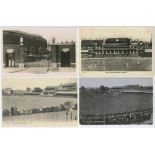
(118, 40)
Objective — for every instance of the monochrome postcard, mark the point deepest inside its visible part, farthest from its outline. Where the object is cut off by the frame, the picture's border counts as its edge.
(39, 50)
(116, 101)
(126, 50)
(39, 102)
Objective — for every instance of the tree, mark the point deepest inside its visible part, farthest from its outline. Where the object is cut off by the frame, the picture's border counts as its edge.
(83, 88)
(28, 89)
(53, 40)
(103, 88)
(37, 89)
(6, 112)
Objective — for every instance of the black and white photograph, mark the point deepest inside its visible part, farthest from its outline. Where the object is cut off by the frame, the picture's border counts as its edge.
(39, 102)
(116, 101)
(116, 49)
(39, 50)
(77, 77)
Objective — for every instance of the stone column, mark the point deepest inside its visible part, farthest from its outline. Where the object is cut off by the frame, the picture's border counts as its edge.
(21, 53)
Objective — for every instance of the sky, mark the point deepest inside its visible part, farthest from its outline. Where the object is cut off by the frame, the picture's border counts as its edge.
(23, 83)
(141, 33)
(60, 33)
(110, 82)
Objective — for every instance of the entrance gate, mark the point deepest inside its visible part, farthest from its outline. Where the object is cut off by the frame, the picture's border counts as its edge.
(65, 58)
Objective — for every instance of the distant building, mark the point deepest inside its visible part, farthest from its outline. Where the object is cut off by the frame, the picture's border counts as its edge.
(69, 89)
(7, 91)
(50, 90)
(130, 89)
(19, 92)
(132, 86)
(116, 89)
(21, 47)
(115, 47)
(120, 46)
(63, 54)
(137, 89)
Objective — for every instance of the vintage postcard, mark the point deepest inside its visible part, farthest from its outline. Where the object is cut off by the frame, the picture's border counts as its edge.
(116, 50)
(39, 50)
(116, 101)
(39, 102)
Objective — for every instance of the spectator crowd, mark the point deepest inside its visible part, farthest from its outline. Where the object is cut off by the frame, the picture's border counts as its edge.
(133, 117)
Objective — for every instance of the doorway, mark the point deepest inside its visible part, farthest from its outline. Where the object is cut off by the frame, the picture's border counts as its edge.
(65, 59)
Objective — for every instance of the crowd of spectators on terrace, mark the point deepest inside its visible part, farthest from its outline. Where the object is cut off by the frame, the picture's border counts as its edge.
(133, 117)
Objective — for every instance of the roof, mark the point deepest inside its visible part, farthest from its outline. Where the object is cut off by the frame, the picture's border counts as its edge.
(91, 42)
(116, 87)
(67, 92)
(63, 44)
(48, 87)
(51, 86)
(87, 42)
(118, 40)
(24, 33)
(69, 84)
(131, 86)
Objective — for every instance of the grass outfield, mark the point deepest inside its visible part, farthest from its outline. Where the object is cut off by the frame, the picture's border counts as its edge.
(116, 64)
(109, 104)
